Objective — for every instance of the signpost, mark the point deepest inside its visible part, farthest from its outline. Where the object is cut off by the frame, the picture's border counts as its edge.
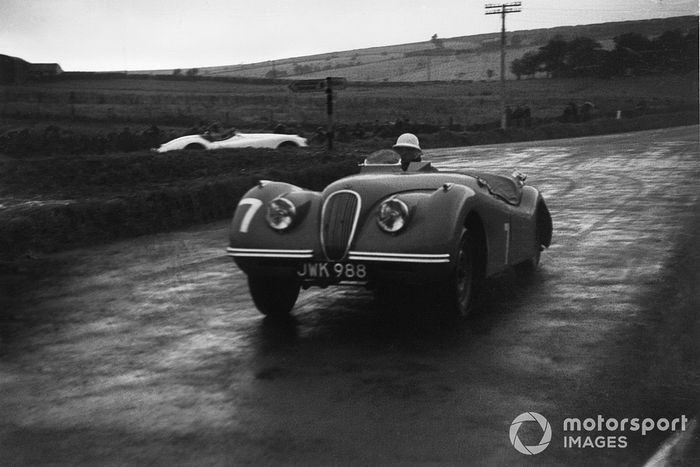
(318, 85)
(327, 85)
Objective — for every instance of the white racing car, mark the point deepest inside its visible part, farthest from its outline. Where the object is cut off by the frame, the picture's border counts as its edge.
(237, 140)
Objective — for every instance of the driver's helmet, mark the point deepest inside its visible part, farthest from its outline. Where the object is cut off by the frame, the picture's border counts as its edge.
(407, 140)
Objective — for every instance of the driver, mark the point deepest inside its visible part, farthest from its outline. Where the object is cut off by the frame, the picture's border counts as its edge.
(212, 132)
(408, 147)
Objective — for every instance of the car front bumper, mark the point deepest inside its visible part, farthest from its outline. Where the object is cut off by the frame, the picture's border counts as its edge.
(380, 267)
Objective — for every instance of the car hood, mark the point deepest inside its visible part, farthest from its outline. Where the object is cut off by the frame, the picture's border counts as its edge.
(374, 188)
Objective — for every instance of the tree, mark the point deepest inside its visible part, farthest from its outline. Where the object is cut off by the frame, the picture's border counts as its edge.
(583, 57)
(527, 65)
(633, 52)
(690, 50)
(436, 42)
(177, 72)
(669, 49)
(553, 57)
(516, 67)
(192, 72)
(633, 41)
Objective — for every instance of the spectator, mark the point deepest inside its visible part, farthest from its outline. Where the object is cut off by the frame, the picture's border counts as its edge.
(586, 111)
(571, 112)
(527, 116)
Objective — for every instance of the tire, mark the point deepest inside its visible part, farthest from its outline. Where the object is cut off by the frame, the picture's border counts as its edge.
(529, 266)
(273, 296)
(459, 289)
(287, 145)
(194, 147)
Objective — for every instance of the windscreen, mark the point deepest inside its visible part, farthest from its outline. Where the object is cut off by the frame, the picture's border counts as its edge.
(383, 157)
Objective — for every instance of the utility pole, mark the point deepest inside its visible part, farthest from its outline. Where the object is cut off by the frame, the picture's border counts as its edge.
(330, 132)
(503, 9)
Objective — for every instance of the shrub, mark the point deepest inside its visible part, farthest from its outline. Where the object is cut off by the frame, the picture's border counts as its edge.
(51, 227)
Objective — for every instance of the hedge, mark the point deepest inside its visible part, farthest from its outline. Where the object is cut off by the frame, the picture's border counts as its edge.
(44, 228)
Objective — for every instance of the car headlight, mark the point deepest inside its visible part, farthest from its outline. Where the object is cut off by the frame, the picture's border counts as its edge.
(392, 215)
(280, 214)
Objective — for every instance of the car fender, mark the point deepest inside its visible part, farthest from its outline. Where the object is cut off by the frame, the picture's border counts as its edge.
(434, 226)
(249, 228)
(528, 222)
(182, 142)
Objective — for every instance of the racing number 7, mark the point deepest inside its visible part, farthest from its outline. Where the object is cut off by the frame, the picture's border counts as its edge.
(250, 212)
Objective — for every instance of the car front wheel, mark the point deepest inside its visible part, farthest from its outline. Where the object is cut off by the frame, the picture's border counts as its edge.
(458, 291)
(273, 296)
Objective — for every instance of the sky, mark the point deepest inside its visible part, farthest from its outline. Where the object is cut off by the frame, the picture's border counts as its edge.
(115, 35)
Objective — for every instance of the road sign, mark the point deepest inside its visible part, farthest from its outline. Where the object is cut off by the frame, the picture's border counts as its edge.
(318, 85)
(337, 82)
(327, 85)
(308, 85)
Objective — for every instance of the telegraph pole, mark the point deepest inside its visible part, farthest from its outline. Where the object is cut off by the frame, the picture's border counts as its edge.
(503, 9)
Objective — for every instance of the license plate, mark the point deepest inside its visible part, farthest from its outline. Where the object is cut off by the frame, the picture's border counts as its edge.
(332, 271)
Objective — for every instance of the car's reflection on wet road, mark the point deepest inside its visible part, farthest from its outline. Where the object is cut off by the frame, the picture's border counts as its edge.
(150, 350)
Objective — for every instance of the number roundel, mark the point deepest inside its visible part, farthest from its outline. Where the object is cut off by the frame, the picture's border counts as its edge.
(254, 204)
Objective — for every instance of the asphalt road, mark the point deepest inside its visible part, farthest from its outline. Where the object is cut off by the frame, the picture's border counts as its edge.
(150, 350)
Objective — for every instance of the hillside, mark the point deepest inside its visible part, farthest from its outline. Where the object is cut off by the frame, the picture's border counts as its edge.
(469, 58)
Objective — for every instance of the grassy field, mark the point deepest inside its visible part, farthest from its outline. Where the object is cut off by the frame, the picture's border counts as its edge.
(71, 173)
(262, 106)
(474, 57)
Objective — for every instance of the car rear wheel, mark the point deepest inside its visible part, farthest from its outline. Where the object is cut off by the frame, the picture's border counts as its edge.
(530, 265)
(542, 224)
(273, 296)
(287, 145)
(458, 291)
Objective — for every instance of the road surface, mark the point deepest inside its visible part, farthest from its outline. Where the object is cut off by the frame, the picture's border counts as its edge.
(150, 350)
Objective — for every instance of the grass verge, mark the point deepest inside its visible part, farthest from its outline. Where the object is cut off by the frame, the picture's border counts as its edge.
(53, 203)
(138, 205)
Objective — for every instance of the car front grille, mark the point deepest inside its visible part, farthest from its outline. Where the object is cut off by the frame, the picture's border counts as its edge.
(338, 223)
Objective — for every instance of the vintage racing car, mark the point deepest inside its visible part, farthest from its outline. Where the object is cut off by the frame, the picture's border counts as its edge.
(237, 140)
(388, 227)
